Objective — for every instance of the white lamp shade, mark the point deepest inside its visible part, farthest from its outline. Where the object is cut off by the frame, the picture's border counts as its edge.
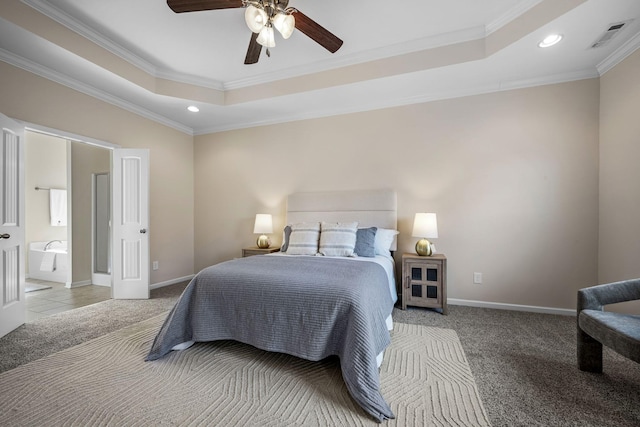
(266, 37)
(255, 18)
(285, 24)
(263, 225)
(425, 225)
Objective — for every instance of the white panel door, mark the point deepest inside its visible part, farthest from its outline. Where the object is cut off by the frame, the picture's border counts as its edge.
(130, 218)
(12, 300)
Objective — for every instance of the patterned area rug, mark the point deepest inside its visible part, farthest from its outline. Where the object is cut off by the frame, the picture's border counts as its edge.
(425, 378)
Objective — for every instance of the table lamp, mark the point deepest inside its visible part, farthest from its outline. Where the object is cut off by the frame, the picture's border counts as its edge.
(263, 226)
(425, 226)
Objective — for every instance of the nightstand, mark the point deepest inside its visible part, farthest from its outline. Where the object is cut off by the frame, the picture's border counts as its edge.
(257, 251)
(424, 281)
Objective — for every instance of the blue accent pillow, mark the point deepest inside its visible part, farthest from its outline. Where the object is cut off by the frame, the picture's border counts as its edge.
(365, 242)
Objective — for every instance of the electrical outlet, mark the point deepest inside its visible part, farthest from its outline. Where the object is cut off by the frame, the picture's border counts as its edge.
(155, 265)
(477, 278)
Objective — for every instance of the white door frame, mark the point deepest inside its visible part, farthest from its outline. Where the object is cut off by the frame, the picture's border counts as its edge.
(69, 283)
(69, 137)
(85, 140)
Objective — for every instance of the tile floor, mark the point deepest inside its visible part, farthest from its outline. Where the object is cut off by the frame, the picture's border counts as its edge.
(58, 299)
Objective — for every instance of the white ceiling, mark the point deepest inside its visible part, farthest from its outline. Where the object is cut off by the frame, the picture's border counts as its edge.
(394, 53)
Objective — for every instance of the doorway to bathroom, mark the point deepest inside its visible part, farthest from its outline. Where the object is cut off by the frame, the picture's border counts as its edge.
(67, 200)
(129, 186)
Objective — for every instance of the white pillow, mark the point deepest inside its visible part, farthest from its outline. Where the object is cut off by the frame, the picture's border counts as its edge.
(304, 238)
(384, 240)
(338, 238)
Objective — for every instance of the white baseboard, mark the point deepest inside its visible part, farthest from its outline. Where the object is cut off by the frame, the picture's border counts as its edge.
(153, 286)
(514, 307)
(171, 282)
(100, 279)
(77, 284)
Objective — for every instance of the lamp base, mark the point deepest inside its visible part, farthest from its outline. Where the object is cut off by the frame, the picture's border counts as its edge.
(263, 242)
(424, 248)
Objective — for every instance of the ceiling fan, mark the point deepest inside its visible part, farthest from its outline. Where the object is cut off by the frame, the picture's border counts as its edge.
(262, 16)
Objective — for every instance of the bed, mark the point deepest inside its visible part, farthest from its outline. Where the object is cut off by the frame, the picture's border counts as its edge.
(311, 307)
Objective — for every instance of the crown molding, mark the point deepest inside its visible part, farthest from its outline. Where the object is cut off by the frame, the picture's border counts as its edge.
(550, 80)
(424, 43)
(99, 39)
(397, 49)
(513, 13)
(190, 80)
(85, 31)
(619, 55)
(431, 97)
(393, 50)
(90, 34)
(48, 73)
(89, 90)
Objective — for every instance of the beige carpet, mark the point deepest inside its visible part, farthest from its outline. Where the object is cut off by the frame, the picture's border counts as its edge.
(425, 378)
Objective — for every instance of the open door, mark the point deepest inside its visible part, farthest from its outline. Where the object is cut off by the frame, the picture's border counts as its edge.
(12, 299)
(130, 220)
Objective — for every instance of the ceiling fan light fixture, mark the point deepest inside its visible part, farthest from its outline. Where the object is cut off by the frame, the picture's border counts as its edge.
(261, 17)
(255, 18)
(266, 37)
(285, 24)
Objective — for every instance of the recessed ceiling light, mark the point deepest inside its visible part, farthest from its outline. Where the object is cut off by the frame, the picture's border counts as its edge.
(550, 40)
(193, 108)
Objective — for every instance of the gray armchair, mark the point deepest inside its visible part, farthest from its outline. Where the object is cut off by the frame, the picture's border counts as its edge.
(620, 332)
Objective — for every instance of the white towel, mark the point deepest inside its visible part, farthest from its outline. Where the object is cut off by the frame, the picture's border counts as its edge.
(48, 262)
(58, 207)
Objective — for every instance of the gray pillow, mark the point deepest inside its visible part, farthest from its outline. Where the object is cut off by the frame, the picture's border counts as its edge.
(285, 238)
(365, 242)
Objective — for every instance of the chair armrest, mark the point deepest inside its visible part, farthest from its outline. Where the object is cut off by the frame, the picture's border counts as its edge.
(595, 297)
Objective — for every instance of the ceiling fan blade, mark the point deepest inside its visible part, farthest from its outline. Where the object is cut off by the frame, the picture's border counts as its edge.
(317, 32)
(179, 6)
(253, 52)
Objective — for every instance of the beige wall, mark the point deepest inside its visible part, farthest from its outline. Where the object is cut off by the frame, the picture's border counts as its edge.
(619, 175)
(620, 171)
(28, 97)
(46, 166)
(513, 177)
(85, 161)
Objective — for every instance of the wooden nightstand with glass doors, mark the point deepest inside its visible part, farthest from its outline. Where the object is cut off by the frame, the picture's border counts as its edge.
(424, 281)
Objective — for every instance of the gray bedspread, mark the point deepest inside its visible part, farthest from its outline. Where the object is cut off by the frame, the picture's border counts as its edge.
(309, 307)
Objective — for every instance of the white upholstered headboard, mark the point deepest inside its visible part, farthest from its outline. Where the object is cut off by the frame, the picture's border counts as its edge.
(371, 208)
